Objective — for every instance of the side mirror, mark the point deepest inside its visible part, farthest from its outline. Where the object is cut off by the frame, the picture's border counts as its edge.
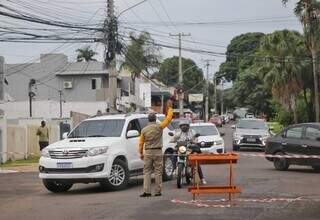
(65, 135)
(170, 134)
(197, 135)
(233, 126)
(132, 134)
(222, 134)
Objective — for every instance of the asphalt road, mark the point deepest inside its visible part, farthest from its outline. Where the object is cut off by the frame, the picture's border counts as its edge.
(22, 196)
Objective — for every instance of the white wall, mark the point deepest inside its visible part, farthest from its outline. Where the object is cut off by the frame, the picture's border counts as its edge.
(50, 109)
(3, 139)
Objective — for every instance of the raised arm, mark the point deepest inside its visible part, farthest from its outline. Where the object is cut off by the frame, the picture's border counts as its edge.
(168, 119)
(141, 145)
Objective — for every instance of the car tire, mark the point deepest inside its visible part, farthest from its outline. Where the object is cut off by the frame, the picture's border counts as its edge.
(167, 167)
(118, 178)
(316, 168)
(281, 164)
(236, 148)
(56, 186)
(180, 168)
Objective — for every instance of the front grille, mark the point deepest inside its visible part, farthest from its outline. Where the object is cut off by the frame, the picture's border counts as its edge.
(67, 154)
(91, 169)
(207, 145)
(256, 138)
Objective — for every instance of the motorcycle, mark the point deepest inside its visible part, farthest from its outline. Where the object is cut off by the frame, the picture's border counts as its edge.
(184, 169)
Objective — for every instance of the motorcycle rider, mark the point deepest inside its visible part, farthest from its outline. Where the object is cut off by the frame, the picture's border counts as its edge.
(186, 134)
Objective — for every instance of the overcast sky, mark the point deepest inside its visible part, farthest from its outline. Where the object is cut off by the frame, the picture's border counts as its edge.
(217, 35)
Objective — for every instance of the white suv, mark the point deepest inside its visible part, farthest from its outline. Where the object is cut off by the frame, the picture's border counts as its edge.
(101, 149)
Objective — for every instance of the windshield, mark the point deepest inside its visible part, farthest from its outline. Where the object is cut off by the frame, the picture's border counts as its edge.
(205, 130)
(98, 128)
(252, 124)
(174, 124)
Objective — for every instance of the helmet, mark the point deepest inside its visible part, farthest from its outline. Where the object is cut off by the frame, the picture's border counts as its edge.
(184, 122)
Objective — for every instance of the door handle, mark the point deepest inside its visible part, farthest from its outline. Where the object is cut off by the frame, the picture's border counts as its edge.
(284, 143)
(304, 145)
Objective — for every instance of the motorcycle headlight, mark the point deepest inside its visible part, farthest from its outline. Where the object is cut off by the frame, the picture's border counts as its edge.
(96, 151)
(45, 152)
(182, 149)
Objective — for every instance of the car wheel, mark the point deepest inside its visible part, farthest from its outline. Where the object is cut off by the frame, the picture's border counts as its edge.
(119, 176)
(316, 168)
(281, 164)
(56, 186)
(236, 147)
(167, 167)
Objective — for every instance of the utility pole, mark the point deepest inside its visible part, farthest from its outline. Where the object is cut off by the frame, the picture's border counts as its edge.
(207, 92)
(31, 94)
(60, 102)
(215, 93)
(110, 36)
(222, 81)
(1, 79)
(180, 95)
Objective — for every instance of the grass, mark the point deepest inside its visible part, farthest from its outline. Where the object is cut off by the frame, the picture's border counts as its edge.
(24, 162)
(277, 127)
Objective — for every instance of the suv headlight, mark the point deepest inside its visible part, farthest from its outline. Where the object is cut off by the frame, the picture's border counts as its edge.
(45, 152)
(220, 142)
(264, 138)
(237, 136)
(96, 151)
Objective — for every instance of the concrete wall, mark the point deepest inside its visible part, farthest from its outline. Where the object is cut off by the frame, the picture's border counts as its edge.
(51, 109)
(16, 142)
(3, 139)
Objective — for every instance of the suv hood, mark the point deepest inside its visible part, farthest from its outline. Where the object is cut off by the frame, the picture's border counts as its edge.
(210, 138)
(85, 143)
(252, 132)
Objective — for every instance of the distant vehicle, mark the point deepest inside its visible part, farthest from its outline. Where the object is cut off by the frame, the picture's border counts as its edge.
(249, 115)
(216, 120)
(210, 139)
(250, 133)
(299, 139)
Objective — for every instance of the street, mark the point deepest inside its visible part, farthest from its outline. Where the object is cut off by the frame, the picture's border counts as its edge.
(23, 196)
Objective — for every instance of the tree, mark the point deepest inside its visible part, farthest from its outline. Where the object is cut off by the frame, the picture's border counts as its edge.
(283, 71)
(141, 55)
(86, 54)
(192, 77)
(308, 12)
(239, 55)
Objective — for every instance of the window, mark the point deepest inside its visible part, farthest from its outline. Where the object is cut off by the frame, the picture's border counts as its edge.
(96, 83)
(295, 132)
(205, 130)
(252, 124)
(143, 122)
(133, 125)
(98, 128)
(313, 133)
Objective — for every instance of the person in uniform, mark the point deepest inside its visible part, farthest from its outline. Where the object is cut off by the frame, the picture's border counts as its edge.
(150, 149)
(43, 133)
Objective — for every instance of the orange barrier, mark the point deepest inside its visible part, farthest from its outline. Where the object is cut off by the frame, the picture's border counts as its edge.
(229, 158)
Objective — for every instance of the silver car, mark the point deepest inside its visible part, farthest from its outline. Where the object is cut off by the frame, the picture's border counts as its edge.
(250, 133)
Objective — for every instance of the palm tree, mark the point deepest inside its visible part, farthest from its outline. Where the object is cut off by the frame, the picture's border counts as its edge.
(283, 71)
(308, 12)
(86, 54)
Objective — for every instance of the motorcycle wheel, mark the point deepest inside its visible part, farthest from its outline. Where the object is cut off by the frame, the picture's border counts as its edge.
(179, 175)
(188, 175)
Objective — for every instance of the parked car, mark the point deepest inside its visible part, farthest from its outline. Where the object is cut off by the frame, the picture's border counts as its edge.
(299, 139)
(250, 133)
(210, 138)
(216, 120)
(101, 149)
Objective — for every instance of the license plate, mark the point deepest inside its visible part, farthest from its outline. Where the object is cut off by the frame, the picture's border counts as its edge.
(251, 139)
(64, 165)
